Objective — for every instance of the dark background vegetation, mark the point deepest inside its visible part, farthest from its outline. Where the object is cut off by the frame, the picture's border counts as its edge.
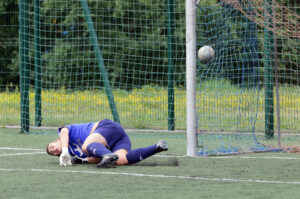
(133, 39)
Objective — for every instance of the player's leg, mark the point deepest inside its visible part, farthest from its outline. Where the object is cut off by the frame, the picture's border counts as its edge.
(128, 156)
(105, 135)
(113, 133)
(95, 145)
(102, 138)
(121, 148)
(140, 154)
(122, 156)
(135, 155)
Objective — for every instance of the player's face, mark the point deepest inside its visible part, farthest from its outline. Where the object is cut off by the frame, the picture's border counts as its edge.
(54, 148)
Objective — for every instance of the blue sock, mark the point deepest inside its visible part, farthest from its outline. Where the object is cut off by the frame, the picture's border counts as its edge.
(139, 154)
(96, 149)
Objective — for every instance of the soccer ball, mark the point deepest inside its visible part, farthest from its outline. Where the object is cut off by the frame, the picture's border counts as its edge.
(205, 54)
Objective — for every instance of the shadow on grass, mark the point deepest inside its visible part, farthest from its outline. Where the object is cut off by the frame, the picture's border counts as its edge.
(169, 162)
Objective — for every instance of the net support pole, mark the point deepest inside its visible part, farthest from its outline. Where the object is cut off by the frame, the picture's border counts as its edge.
(171, 105)
(268, 71)
(276, 76)
(190, 13)
(37, 65)
(104, 76)
(24, 64)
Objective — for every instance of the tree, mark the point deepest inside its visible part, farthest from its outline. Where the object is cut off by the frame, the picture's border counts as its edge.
(9, 37)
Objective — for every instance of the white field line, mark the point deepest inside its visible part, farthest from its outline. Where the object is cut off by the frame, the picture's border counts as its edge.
(20, 149)
(16, 154)
(156, 176)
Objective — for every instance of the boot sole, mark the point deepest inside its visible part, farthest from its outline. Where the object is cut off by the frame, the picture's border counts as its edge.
(108, 163)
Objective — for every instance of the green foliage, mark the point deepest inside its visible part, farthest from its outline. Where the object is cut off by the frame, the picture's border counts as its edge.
(9, 52)
(133, 40)
(288, 61)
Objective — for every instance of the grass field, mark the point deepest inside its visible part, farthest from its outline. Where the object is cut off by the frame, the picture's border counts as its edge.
(26, 171)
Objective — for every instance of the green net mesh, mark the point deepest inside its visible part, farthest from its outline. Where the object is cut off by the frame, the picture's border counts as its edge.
(83, 61)
(239, 89)
(117, 69)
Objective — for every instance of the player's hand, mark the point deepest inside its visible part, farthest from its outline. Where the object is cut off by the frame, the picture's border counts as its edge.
(65, 158)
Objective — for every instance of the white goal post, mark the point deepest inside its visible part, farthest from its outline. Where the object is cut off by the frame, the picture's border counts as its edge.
(191, 77)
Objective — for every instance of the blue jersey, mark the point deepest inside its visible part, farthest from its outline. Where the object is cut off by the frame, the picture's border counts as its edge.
(77, 135)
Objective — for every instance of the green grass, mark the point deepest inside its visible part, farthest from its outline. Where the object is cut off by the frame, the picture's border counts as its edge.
(32, 176)
(219, 104)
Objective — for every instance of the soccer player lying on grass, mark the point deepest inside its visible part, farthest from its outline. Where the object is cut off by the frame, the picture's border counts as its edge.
(104, 143)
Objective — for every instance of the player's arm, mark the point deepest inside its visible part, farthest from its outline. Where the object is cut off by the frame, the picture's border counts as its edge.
(64, 137)
(64, 158)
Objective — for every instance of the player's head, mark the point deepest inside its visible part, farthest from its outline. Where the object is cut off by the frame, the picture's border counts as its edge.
(54, 148)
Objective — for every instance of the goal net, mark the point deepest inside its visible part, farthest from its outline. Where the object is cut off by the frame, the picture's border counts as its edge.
(91, 60)
(86, 60)
(246, 91)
